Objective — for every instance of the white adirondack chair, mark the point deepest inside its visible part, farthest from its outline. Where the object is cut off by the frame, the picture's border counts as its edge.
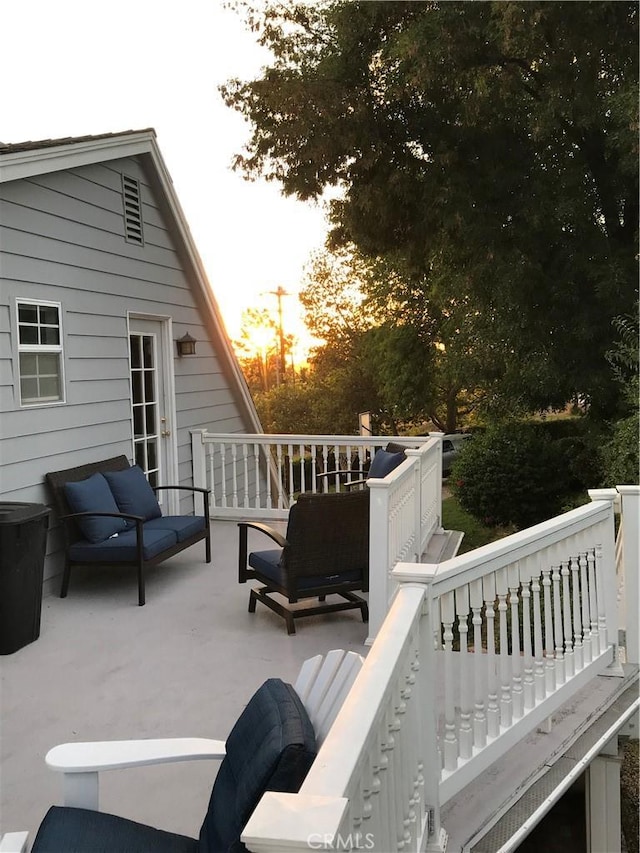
(322, 684)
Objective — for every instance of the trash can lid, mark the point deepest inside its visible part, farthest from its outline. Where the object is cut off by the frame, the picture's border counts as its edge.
(16, 513)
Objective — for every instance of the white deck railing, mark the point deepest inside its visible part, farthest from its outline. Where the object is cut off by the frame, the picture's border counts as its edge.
(259, 475)
(473, 654)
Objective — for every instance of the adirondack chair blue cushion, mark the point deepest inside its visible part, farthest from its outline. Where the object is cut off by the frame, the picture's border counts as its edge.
(269, 564)
(122, 548)
(94, 495)
(384, 462)
(270, 748)
(69, 830)
(184, 526)
(132, 492)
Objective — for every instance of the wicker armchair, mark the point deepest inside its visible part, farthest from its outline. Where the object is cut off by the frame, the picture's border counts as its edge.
(325, 553)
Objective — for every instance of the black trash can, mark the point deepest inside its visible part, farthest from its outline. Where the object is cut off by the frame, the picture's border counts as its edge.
(23, 541)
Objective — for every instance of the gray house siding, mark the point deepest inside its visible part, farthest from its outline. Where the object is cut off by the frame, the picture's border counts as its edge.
(62, 240)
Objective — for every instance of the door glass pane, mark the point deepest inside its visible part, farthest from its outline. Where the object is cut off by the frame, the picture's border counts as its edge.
(134, 347)
(149, 391)
(150, 412)
(136, 387)
(147, 351)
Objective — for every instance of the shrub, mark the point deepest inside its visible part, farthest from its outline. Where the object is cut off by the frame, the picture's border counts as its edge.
(512, 474)
(619, 455)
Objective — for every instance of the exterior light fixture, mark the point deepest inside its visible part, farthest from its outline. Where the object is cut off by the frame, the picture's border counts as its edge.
(186, 345)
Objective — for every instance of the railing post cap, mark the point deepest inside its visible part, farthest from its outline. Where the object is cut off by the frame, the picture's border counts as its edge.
(628, 490)
(603, 494)
(284, 821)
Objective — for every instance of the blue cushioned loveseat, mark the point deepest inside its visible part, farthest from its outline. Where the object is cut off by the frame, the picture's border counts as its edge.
(111, 515)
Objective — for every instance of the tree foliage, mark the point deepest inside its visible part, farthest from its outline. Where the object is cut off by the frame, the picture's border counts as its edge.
(486, 152)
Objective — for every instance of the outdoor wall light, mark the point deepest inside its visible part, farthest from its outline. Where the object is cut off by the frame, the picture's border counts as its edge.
(186, 345)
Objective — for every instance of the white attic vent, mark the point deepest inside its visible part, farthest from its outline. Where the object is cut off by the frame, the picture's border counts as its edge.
(132, 210)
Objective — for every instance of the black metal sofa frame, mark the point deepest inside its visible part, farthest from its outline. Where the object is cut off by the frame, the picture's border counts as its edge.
(57, 480)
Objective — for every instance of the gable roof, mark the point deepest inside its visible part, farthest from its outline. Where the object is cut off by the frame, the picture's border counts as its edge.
(26, 159)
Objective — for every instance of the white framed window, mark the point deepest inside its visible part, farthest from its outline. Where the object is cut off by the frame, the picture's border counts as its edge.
(40, 352)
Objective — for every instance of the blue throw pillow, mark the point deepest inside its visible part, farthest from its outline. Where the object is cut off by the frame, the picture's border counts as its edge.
(384, 463)
(133, 493)
(94, 495)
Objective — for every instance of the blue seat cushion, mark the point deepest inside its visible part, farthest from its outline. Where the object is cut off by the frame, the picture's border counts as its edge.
(69, 830)
(384, 462)
(132, 492)
(270, 748)
(268, 563)
(94, 495)
(122, 548)
(184, 526)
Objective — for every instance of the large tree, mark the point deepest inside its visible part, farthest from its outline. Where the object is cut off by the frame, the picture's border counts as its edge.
(487, 151)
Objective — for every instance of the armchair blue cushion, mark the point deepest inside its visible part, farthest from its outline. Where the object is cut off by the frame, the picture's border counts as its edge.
(270, 748)
(132, 492)
(384, 462)
(94, 495)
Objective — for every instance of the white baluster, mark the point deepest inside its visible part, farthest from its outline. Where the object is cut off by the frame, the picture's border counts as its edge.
(566, 614)
(466, 732)
(601, 598)
(234, 471)
(256, 468)
(557, 626)
(447, 610)
(479, 715)
(578, 646)
(586, 610)
(517, 698)
(506, 705)
(280, 497)
(539, 663)
(210, 472)
(493, 710)
(549, 659)
(528, 685)
(223, 475)
(593, 602)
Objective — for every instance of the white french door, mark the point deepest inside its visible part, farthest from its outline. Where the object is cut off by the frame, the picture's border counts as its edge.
(152, 400)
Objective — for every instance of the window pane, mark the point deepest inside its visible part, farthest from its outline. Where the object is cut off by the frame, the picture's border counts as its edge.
(28, 389)
(50, 387)
(136, 358)
(49, 315)
(152, 458)
(48, 363)
(28, 334)
(149, 394)
(151, 419)
(136, 382)
(28, 364)
(137, 420)
(140, 456)
(50, 335)
(28, 313)
(147, 348)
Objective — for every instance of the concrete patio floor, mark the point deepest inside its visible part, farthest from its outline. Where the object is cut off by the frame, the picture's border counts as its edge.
(185, 664)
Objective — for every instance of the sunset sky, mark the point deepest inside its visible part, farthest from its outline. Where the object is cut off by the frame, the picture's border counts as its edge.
(152, 63)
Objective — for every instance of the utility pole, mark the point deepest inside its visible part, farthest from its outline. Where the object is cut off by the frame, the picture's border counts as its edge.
(279, 293)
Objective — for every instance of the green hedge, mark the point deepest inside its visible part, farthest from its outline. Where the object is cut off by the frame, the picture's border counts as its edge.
(517, 474)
